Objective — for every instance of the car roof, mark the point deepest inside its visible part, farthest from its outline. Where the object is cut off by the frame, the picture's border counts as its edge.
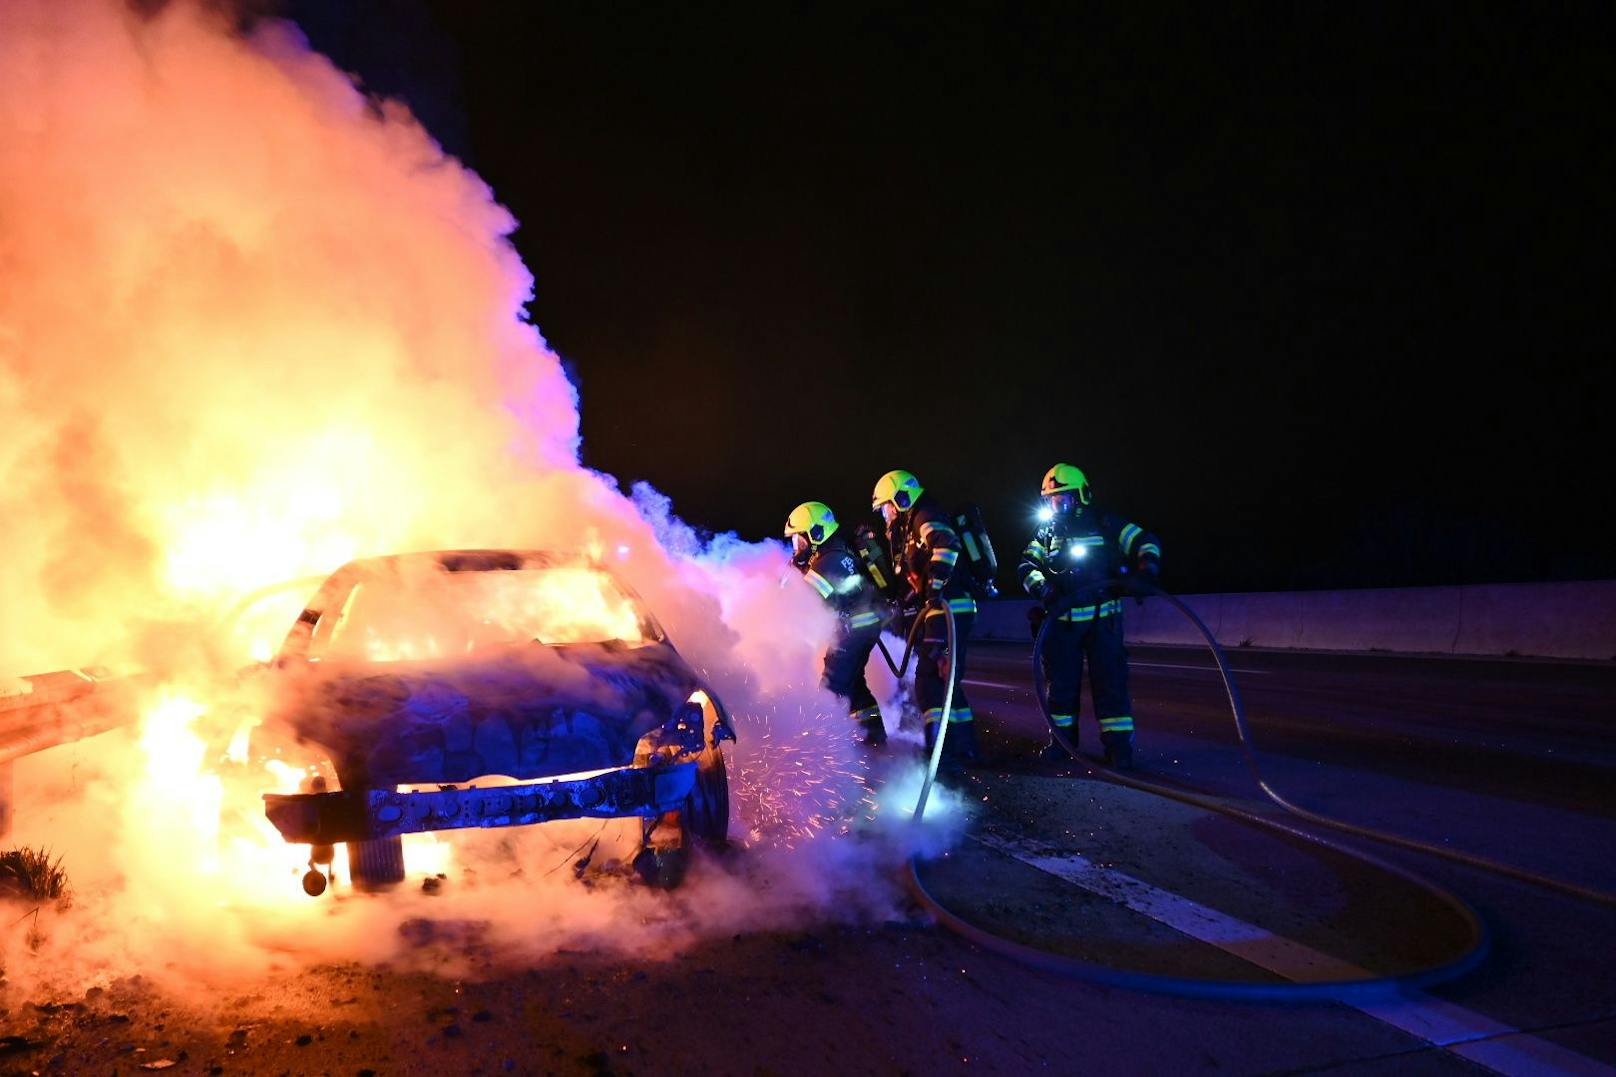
(472, 560)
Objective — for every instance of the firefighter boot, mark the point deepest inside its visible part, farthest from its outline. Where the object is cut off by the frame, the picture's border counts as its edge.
(960, 747)
(1118, 750)
(875, 734)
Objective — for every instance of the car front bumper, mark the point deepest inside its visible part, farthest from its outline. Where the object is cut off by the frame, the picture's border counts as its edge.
(328, 818)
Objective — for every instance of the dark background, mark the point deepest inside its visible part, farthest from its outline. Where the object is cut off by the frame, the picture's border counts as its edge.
(1319, 293)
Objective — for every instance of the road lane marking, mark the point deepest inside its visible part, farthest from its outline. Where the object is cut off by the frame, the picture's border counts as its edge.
(1151, 665)
(1207, 669)
(1473, 1036)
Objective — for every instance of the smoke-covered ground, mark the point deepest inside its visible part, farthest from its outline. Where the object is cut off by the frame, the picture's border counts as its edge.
(254, 323)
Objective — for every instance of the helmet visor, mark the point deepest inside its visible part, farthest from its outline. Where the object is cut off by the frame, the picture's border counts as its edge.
(1061, 503)
(889, 512)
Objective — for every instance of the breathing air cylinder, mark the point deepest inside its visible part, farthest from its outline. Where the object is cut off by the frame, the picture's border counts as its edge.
(873, 560)
(973, 533)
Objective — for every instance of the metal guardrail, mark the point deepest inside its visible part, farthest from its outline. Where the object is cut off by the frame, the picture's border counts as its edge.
(51, 709)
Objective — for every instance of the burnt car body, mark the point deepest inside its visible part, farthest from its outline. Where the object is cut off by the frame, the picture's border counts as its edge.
(517, 687)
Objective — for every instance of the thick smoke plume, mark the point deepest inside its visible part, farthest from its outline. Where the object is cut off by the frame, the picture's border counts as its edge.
(254, 324)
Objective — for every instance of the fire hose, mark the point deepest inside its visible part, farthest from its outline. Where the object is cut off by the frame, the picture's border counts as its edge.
(1248, 752)
(935, 756)
(1471, 956)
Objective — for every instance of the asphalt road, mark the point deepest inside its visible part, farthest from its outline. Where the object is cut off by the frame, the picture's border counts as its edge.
(1511, 760)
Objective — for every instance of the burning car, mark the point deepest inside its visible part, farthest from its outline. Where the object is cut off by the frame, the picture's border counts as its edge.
(493, 688)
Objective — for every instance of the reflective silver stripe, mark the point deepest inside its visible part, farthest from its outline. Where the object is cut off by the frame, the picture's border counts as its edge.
(1150, 547)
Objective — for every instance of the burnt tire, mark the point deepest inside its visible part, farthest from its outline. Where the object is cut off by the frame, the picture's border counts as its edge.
(662, 868)
(706, 812)
(377, 864)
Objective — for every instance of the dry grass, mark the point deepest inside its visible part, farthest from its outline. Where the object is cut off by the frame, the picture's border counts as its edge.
(31, 875)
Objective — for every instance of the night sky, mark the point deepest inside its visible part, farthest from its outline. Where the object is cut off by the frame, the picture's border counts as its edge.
(1319, 295)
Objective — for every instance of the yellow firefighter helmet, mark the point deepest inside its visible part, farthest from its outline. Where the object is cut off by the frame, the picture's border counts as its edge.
(900, 488)
(813, 520)
(1064, 478)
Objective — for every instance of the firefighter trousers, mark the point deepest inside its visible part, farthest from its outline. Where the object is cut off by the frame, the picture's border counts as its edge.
(933, 666)
(1099, 640)
(844, 671)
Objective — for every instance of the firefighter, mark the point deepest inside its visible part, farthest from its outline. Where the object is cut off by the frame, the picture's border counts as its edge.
(924, 549)
(1078, 545)
(828, 564)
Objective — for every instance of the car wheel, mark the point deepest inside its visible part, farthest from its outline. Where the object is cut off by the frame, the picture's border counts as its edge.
(376, 864)
(662, 868)
(707, 811)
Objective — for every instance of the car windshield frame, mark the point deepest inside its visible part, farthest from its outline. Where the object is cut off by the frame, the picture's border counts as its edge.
(310, 637)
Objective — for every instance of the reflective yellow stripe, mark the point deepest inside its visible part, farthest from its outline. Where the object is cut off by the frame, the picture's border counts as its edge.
(933, 714)
(866, 712)
(864, 620)
(947, 557)
(1086, 613)
(964, 715)
(1150, 547)
(821, 584)
(962, 605)
(1121, 724)
(1063, 720)
(1129, 533)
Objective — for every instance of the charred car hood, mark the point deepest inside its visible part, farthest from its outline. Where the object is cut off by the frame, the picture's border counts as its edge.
(527, 713)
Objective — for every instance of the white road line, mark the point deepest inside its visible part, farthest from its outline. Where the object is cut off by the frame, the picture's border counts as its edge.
(1475, 1037)
(1152, 665)
(1208, 669)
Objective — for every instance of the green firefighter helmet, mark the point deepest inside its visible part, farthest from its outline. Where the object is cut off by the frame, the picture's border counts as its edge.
(813, 520)
(1063, 479)
(899, 487)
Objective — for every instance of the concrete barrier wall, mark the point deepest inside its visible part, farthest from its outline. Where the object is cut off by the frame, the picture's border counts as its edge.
(1552, 620)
